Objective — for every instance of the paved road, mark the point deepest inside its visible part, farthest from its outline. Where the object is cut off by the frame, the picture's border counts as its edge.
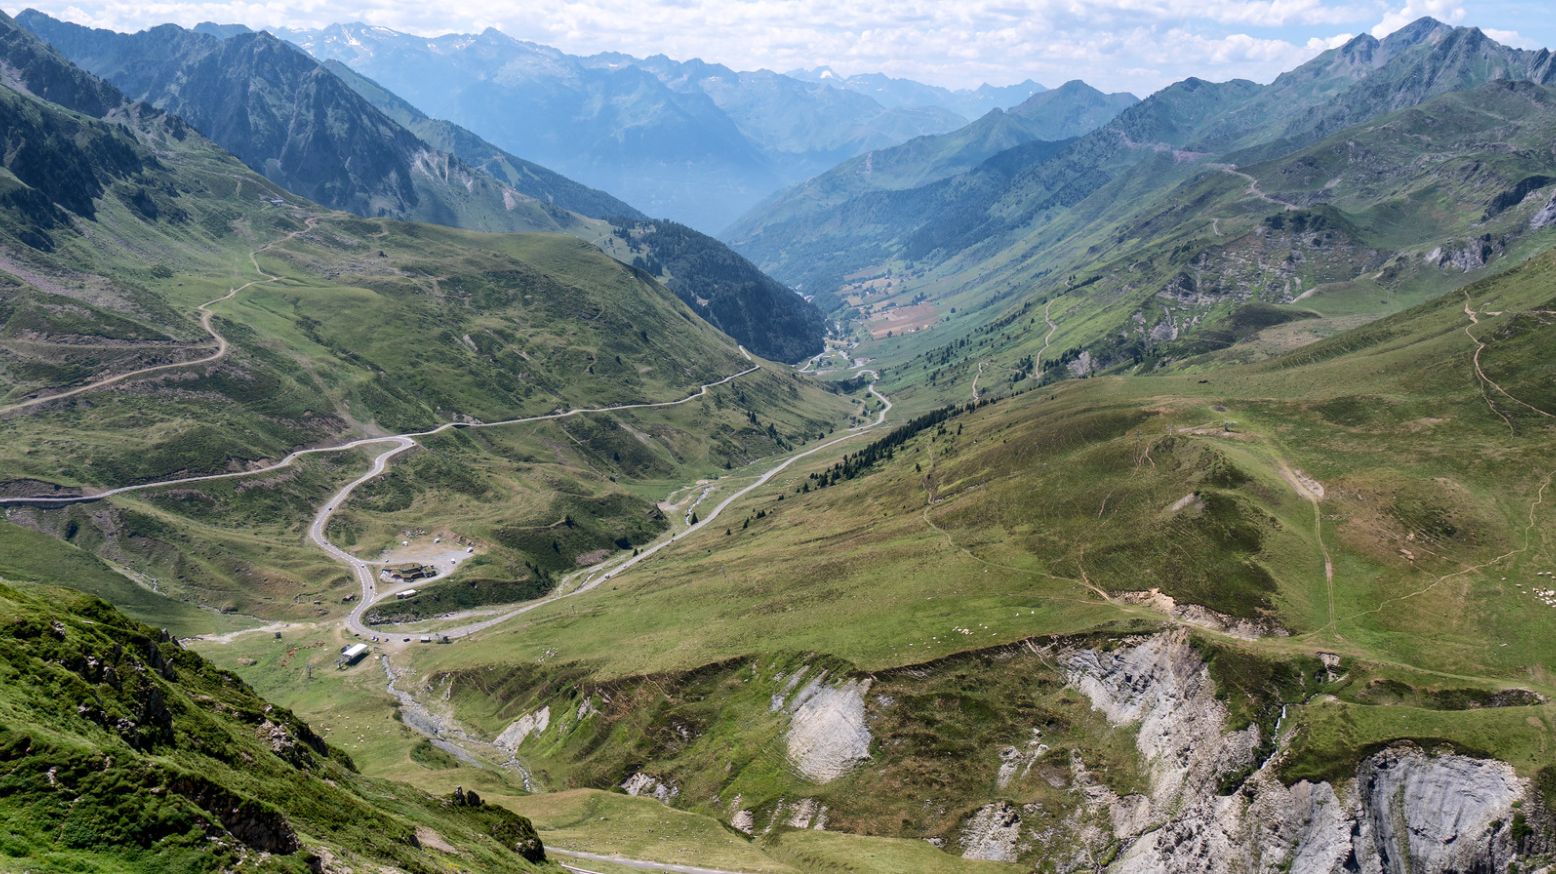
(594, 580)
(632, 863)
(401, 442)
(398, 443)
(359, 567)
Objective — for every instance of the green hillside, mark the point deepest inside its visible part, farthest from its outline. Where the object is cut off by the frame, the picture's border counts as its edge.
(953, 566)
(961, 227)
(1174, 497)
(125, 752)
(317, 327)
(721, 287)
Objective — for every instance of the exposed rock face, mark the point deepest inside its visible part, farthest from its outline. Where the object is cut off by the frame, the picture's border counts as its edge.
(1418, 811)
(523, 727)
(1165, 686)
(1545, 217)
(1467, 256)
(254, 823)
(806, 811)
(828, 734)
(640, 784)
(1081, 365)
(1407, 810)
(1014, 762)
(992, 834)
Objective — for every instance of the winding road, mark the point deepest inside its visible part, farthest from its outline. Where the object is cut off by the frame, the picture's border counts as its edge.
(1253, 188)
(207, 314)
(600, 576)
(399, 443)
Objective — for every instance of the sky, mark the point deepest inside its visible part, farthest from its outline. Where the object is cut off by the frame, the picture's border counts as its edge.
(1117, 45)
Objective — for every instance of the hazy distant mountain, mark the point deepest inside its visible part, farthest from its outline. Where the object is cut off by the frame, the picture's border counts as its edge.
(968, 102)
(298, 124)
(802, 127)
(696, 142)
(525, 176)
(1046, 118)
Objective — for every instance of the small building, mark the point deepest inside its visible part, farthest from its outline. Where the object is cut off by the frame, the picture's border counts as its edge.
(408, 593)
(352, 654)
(408, 573)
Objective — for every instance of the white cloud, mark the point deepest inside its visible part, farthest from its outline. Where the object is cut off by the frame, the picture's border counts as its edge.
(1512, 38)
(1136, 45)
(1317, 45)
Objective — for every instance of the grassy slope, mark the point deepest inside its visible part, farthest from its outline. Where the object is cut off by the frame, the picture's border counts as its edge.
(1112, 270)
(1001, 524)
(169, 763)
(997, 523)
(372, 326)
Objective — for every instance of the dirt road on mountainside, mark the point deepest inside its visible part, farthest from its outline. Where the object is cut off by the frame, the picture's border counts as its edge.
(207, 314)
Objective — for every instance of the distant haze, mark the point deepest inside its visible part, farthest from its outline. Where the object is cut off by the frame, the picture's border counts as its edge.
(1116, 45)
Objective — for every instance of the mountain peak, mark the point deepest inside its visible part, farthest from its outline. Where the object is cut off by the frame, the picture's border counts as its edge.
(1422, 30)
(222, 31)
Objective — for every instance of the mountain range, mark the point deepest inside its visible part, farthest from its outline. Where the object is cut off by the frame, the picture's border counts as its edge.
(692, 141)
(890, 91)
(1152, 485)
(334, 137)
(1010, 209)
(302, 126)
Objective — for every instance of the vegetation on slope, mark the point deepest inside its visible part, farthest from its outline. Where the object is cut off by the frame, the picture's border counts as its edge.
(124, 752)
(722, 287)
(297, 124)
(1104, 507)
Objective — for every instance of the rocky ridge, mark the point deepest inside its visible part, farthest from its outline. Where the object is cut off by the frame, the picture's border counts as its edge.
(1407, 809)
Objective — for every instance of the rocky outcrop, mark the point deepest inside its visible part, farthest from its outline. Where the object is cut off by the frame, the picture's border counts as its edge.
(1426, 814)
(1204, 617)
(523, 727)
(640, 784)
(1407, 810)
(254, 823)
(1163, 685)
(992, 834)
(1468, 255)
(828, 734)
(1545, 217)
(1017, 762)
